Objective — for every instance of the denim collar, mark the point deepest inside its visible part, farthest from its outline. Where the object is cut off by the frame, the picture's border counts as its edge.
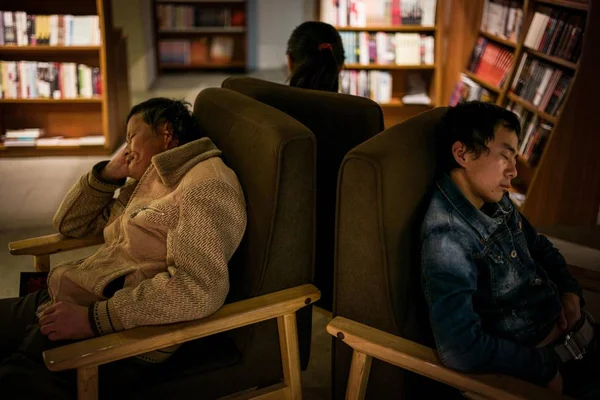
(485, 223)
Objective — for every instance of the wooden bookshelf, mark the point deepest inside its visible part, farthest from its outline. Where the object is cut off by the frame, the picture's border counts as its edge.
(497, 39)
(396, 111)
(389, 67)
(103, 115)
(563, 188)
(382, 28)
(483, 83)
(238, 34)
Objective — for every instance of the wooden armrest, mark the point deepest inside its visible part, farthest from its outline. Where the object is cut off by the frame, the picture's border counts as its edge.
(424, 361)
(588, 278)
(51, 244)
(131, 342)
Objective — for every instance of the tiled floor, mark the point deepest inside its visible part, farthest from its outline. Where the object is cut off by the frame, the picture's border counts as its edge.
(33, 189)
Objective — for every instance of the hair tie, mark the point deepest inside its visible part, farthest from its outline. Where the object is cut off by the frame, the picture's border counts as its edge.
(324, 46)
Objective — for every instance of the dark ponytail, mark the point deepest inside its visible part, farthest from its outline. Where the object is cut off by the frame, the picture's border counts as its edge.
(317, 56)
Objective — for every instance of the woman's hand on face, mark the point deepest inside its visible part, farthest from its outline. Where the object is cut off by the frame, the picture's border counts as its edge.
(118, 167)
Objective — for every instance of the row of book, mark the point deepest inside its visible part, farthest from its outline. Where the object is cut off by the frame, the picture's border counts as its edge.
(216, 50)
(36, 138)
(503, 18)
(388, 48)
(534, 133)
(173, 17)
(35, 80)
(490, 62)
(375, 85)
(542, 84)
(22, 29)
(467, 89)
(364, 13)
(556, 33)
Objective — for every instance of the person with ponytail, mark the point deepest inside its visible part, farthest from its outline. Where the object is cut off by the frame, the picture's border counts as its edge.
(315, 56)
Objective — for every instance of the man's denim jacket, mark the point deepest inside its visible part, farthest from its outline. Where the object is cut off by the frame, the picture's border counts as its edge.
(493, 286)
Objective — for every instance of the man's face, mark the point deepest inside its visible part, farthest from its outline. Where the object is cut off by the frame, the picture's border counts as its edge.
(143, 144)
(489, 176)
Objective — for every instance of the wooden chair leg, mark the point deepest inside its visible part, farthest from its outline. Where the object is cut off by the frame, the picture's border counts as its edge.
(290, 355)
(359, 376)
(87, 383)
(41, 263)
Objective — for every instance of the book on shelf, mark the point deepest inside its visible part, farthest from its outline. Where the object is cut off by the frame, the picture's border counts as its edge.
(21, 29)
(36, 138)
(503, 18)
(382, 48)
(490, 62)
(556, 32)
(415, 90)
(467, 89)
(174, 17)
(542, 84)
(48, 80)
(201, 51)
(535, 132)
(365, 13)
(376, 85)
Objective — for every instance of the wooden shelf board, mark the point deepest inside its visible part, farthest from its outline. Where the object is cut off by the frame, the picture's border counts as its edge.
(45, 49)
(567, 4)
(52, 151)
(388, 66)
(384, 28)
(497, 39)
(207, 29)
(232, 65)
(483, 83)
(552, 59)
(400, 104)
(530, 107)
(96, 100)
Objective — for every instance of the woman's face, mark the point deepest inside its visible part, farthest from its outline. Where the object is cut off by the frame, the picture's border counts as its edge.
(143, 143)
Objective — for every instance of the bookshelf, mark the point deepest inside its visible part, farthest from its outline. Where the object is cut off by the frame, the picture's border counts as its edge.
(550, 82)
(75, 93)
(394, 38)
(200, 35)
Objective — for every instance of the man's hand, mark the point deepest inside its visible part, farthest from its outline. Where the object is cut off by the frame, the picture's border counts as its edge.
(556, 384)
(117, 168)
(571, 311)
(64, 320)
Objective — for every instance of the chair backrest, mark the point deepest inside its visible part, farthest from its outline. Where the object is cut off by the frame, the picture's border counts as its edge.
(383, 190)
(273, 156)
(339, 123)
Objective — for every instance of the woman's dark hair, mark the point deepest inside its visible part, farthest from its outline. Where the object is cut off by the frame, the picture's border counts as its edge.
(317, 55)
(474, 124)
(155, 112)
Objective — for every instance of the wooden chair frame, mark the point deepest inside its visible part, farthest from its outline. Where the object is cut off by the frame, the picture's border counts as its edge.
(87, 355)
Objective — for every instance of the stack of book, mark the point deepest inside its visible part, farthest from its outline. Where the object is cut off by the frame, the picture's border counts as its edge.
(48, 80)
(467, 90)
(557, 33)
(503, 18)
(22, 29)
(490, 62)
(534, 133)
(174, 17)
(35, 138)
(201, 51)
(542, 84)
(376, 85)
(363, 13)
(388, 48)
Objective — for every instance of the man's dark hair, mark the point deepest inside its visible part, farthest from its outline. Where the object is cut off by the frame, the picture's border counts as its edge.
(317, 56)
(155, 112)
(473, 123)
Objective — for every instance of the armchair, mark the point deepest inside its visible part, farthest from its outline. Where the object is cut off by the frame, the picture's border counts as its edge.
(383, 190)
(270, 274)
